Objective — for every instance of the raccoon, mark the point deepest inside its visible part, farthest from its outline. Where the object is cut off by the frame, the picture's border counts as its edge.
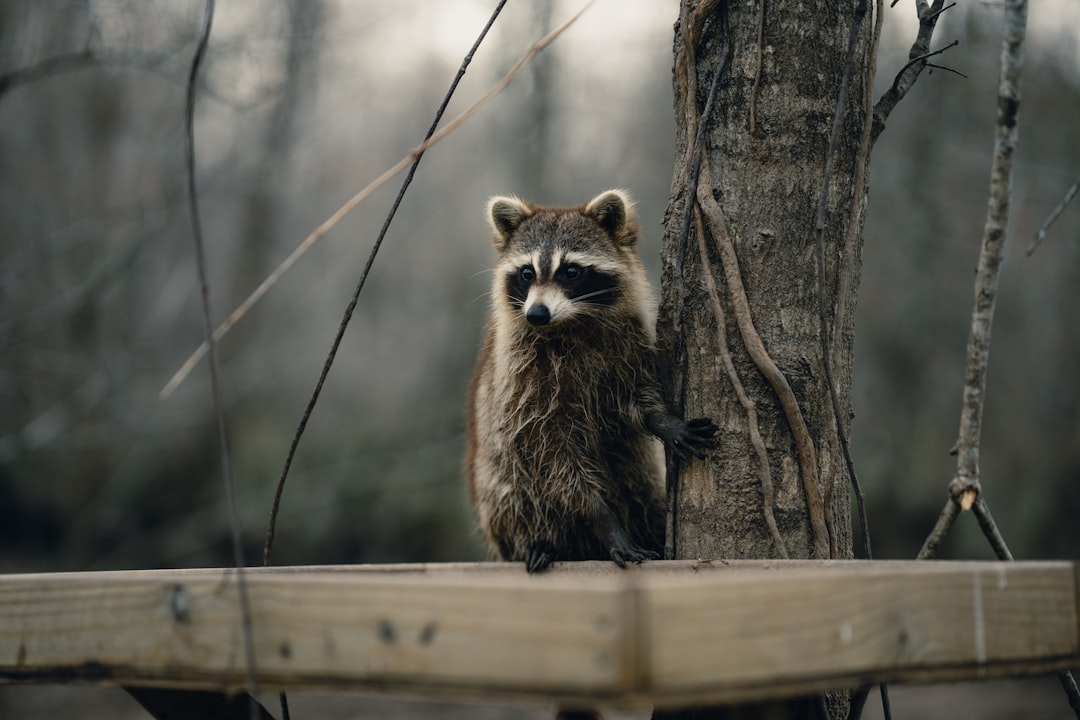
(565, 398)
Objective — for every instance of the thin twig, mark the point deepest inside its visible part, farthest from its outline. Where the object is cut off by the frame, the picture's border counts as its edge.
(1045, 227)
(922, 58)
(941, 528)
(946, 68)
(236, 315)
(933, 12)
(990, 529)
(271, 526)
(215, 384)
(905, 79)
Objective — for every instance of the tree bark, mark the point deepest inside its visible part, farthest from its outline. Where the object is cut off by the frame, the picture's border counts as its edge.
(739, 311)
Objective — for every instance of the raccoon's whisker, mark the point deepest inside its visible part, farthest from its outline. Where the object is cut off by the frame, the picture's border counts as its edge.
(595, 293)
(476, 299)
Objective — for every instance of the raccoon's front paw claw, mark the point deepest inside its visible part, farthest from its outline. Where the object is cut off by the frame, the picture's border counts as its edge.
(702, 435)
(632, 554)
(694, 438)
(683, 437)
(539, 556)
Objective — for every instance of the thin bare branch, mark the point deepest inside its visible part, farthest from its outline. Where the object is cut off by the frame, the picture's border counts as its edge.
(992, 251)
(1052, 217)
(990, 529)
(920, 51)
(215, 382)
(271, 526)
(946, 68)
(306, 244)
(922, 59)
(941, 529)
(965, 492)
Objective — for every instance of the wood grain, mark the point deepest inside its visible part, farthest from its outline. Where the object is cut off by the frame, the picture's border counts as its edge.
(671, 633)
(803, 630)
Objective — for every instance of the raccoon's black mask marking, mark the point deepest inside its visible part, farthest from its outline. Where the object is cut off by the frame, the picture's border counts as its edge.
(578, 282)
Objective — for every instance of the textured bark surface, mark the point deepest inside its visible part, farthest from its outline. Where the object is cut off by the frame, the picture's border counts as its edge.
(767, 180)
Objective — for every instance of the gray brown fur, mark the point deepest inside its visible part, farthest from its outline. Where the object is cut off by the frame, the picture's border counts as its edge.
(565, 400)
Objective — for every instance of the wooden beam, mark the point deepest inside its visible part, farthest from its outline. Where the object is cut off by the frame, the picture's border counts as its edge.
(670, 633)
(805, 630)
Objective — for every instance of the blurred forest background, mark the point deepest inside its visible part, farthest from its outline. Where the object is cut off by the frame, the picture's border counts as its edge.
(301, 103)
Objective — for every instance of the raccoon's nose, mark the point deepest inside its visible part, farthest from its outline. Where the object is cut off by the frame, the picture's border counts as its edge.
(538, 314)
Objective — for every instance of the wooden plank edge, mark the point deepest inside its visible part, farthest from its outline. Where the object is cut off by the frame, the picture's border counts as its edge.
(930, 675)
(634, 698)
(233, 686)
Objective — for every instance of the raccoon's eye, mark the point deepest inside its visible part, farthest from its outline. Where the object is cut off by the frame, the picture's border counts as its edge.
(572, 272)
(527, 274)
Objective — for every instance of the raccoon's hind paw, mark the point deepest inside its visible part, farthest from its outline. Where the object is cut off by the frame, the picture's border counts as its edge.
(684, 437)
(539, 556)
(632, 554)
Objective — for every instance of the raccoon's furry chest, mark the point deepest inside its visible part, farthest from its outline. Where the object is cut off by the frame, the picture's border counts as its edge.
(570, 401)
(559, 429)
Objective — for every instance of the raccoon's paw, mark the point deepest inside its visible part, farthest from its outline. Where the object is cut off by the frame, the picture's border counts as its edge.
(632, 554)
(700, 435)
(539, 556)
(684, 437)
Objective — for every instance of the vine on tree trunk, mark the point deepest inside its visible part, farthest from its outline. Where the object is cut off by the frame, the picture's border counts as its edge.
(700, 190)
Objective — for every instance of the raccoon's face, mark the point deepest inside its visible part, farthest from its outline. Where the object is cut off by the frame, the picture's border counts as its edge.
(550, 287)
(556, 264)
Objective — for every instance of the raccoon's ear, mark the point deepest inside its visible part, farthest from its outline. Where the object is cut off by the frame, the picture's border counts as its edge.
(504, 215)
(614, 212)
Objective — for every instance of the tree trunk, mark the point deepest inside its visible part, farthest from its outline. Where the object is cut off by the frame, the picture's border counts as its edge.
(751, 252)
